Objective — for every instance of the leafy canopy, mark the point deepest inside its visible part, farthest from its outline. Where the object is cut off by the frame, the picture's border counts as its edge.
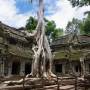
(78, 26)
(79, 3)
(73, 26)
(51, 31)
(86, 25)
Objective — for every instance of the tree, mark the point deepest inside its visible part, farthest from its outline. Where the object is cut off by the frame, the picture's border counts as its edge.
(79, 3)
(31, 24)
(78, 26)
(50, 28)
(86, 26)
(42, 63)
(73, 26)
(72, 30)
(51, 31)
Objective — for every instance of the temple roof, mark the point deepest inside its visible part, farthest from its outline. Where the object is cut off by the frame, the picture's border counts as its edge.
(18, 49)
(12, 32)
(64, 40)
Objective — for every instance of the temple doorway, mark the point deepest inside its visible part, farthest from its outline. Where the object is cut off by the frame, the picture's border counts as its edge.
(78, 68)
(27, 68)
(58, 68)
(15, 68)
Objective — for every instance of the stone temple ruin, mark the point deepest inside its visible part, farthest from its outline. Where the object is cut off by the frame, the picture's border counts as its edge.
(23, 53)
(15, 52)
(16, 58)
(68, 52)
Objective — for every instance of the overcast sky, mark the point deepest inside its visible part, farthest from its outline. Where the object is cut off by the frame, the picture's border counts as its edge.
(16, 12)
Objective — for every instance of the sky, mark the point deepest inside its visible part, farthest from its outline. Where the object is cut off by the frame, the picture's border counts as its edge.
(15, 13)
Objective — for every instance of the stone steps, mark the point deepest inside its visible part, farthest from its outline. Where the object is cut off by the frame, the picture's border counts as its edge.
(40, 84)
(28, 87)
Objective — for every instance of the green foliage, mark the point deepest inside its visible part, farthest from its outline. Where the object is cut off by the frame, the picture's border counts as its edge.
(31, 24)
(81, 28)
(78, 26)
(73, 26)
(51, 31)
(86, 26)
(79, 3)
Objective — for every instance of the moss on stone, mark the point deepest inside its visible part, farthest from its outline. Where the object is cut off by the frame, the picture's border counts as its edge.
(65, 55)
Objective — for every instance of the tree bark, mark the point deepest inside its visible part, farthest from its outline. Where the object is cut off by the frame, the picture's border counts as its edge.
(42, 63)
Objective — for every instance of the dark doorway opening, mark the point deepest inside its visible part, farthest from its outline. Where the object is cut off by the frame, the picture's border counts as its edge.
(58, 68)
(78, 68)
(16, 68)
(27, 68)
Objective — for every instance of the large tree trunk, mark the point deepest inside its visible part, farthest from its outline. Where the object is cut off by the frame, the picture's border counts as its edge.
(42, 58)
(42, 63)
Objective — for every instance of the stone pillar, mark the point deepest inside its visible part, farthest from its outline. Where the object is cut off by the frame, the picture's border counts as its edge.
(9, 68)
(63, 68)
(1, 67)
(73, 68)
(87, 67)
(22, 68)
(82, 66)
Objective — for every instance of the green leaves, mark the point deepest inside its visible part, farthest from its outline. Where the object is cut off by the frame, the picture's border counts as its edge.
(73, 26)
(31, 24)
(79, 3)
(79, 26)
(51, 31)
(86, 25)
